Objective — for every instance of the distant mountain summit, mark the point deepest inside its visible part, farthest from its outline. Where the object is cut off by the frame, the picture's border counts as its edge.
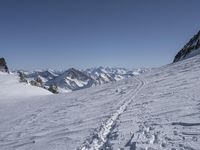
(3, 65)
(105, 75)
(192, 48)
(44, 75)
(73, 79)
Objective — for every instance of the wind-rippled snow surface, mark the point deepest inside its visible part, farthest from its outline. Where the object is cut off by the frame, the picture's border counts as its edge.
(154, 111)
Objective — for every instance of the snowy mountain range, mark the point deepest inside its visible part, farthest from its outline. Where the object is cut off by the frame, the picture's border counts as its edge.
(192, 48)
(74, 79)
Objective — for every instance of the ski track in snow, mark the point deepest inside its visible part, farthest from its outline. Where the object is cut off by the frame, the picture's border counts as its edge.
(165, 114)
(61, 121)
(100, 138)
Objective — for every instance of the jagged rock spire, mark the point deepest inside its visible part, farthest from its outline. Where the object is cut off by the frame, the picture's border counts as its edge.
(3, 65)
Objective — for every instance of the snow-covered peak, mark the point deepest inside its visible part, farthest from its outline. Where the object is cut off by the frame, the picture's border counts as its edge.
(74, 73)
(73, 79)
(44, 75)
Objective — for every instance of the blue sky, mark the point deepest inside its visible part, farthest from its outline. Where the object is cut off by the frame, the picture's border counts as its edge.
(59, 34)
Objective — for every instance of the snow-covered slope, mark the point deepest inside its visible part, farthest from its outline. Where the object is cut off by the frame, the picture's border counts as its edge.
(165, 114)
(61, 121)
(11, 89)
(192, 48)
(158, 110)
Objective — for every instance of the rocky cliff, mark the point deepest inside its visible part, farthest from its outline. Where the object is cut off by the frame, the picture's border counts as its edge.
(192, 48)
(3, 65)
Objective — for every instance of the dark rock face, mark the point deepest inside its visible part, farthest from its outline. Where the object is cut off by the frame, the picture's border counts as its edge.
(192, 48)
(53, 88)
(22, 77)
(3, 66)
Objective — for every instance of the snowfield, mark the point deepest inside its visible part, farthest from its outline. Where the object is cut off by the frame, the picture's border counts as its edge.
(165, 114)
(159, 110)
(12, 90)
(62, 121)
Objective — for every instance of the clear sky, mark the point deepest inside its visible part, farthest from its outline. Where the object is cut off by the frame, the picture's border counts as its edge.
(59, 34)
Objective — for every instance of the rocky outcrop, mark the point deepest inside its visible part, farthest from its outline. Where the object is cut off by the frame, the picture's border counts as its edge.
(22, 77)
(191, 49)
(53, 88)
(3, 65)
